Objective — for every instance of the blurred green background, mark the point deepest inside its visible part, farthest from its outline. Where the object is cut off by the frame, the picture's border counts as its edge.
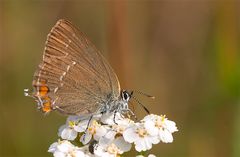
(185, 53)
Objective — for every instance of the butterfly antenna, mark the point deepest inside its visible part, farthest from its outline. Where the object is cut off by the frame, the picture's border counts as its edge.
(144, 107)
(147, 95)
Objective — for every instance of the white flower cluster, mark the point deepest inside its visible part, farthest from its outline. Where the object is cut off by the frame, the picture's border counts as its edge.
(111, 135)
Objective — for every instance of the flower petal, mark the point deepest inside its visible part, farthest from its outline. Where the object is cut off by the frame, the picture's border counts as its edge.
(171, 126)
(81, 126)
(130, 135)
(53, 147)
(165, 136)
(150, 127)
(85, 138)
(68, 134)
(59, 154)
(64, 146)
(140, 146)
(122, 144)
(151, 155)
(101, 131)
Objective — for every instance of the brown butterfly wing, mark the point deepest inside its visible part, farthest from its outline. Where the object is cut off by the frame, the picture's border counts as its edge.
(73, 76)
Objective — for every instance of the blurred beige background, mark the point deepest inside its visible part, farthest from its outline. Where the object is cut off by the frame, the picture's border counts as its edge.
(184, 52)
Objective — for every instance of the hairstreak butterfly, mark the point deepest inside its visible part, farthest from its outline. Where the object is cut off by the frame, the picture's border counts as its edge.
(74, 78)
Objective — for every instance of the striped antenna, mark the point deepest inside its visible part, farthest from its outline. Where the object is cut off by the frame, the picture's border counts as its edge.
(147, 95)
(143, 106)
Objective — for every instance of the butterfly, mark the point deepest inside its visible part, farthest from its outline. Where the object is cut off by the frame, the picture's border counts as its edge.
(74, 78)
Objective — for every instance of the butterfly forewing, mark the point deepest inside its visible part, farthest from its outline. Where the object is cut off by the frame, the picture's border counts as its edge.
(73, 76)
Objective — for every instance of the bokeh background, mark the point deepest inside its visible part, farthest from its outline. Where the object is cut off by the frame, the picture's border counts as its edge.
(186, 53)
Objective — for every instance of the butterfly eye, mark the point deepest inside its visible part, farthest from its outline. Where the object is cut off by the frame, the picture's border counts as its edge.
(125, 96)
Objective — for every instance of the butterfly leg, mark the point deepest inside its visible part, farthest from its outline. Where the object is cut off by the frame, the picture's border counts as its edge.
(87, 127)
(114, 117)
(132, 114)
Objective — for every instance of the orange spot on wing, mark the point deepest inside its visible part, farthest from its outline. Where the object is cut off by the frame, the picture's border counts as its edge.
(47, 105)
(41, 87)
(43, 90)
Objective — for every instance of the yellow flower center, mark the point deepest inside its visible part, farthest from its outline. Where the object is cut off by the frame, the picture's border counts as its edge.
(113, 149)
(93, 128)
(71, 124)
(141, 132)
(159, 121)
(72, 154)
